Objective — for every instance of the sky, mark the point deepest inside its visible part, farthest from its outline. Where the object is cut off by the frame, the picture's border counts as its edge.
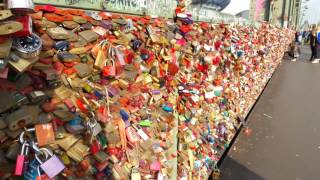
(312, 13)
(237, 6)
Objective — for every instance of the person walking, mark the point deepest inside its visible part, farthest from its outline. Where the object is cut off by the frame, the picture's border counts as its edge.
(314, 45)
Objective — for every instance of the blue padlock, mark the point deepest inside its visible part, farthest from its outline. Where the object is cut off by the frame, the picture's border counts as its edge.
(31, 172)
(98, 94)
(61, 45)
(75, 121)
(167, 108)
(124, 115)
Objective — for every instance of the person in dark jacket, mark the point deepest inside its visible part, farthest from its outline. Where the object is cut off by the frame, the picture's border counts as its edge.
(314, 45)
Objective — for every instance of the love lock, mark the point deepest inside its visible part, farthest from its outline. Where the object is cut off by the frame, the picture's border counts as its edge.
(93, 126)
(52, 166)
(28, 47)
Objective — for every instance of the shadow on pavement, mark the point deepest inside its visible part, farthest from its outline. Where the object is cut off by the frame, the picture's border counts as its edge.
(243, 173)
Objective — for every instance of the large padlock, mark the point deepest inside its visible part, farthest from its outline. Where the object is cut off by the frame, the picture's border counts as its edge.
(52, 166)
(21, 158)
(21, 6)
(83, 70)
(89, 35)
(24, 116)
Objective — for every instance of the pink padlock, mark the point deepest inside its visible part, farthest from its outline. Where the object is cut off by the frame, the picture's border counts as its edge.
(52, 166)
(21, 158)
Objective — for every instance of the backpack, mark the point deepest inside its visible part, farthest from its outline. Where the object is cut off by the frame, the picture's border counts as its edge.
(318, 37)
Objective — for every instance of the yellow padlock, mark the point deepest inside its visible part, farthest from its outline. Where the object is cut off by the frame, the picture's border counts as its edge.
(79, 50)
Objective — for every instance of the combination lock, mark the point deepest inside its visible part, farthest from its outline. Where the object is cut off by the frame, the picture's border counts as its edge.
(28, 47)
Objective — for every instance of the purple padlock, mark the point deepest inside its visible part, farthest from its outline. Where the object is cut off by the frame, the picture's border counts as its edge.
(53, 166)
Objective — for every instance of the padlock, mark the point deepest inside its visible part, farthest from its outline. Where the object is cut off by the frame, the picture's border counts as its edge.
(45, 134)
(78, 151)
(70, 24)
(74, 129)
(109, 70)
(5, 48)
(132, 135)
(52, 166)
(10, 27)
(20, 7)
(21, 158)
(100, 156)
(83, 70)
(79, 19)
(70, 105)
(28, 47)
(24, 116)
(19, 64)
(68, 57)
(37, 97)
(141, 133)
(4, 14)
(61, 45)
(58, 33)
(67, 142)
(89, 35)
(135, 174)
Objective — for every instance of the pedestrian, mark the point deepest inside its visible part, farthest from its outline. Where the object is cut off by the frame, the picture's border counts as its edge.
(314, 45)
(294, 51)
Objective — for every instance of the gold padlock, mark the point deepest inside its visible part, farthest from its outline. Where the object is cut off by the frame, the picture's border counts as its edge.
(78, 151)
(67, 142)
(4, 14)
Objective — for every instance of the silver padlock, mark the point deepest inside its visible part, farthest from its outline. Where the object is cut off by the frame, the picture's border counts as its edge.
(52, 166)
(21, 6)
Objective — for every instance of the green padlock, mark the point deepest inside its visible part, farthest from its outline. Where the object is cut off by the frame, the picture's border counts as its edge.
(145, 123)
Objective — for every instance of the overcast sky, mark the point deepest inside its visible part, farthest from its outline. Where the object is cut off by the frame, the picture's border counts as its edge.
(237, 6)
(312, 13)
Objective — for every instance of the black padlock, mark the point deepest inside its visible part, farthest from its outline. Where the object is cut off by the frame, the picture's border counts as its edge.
(53, 83)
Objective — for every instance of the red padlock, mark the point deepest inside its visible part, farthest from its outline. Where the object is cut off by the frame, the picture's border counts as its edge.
(27, 26)
(95, 147)
(109, 70)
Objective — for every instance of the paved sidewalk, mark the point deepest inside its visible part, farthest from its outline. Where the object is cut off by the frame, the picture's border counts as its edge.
(285, 139)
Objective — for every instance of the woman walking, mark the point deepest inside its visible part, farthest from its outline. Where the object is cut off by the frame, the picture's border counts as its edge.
(314, 45)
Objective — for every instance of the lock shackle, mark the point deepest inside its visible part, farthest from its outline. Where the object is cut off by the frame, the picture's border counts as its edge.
(24, 148)
(44, 151)
(21, 137)
(92, 122)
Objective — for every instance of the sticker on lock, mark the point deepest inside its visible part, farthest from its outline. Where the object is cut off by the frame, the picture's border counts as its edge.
(45, 134)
